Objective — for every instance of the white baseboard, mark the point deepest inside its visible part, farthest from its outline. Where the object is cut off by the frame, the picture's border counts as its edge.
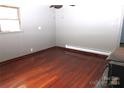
(89, 50)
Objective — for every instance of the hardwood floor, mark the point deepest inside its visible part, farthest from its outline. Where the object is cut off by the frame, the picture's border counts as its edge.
(53, 68)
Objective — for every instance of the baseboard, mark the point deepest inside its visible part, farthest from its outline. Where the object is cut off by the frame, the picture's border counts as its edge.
(89, 50)
(67, 48)
(25, 56)
(82, 52)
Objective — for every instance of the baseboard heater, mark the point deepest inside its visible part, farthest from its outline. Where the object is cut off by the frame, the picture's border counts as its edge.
(88, 50)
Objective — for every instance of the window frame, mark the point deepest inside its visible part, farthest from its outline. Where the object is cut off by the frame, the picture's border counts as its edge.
(18, 18)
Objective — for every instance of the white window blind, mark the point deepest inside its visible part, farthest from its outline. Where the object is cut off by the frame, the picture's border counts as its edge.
(9, 19)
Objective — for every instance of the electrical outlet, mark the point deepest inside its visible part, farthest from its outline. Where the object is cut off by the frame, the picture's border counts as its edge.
(31, 49)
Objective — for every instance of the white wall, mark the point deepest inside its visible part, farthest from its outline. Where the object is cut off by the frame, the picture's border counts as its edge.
(122, 33)
(88, 26)
(91, 26)
(13, 45)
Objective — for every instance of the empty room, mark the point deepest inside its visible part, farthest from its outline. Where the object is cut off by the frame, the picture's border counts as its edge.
(74, 45)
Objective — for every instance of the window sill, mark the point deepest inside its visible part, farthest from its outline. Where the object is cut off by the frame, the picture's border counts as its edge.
(11, 32)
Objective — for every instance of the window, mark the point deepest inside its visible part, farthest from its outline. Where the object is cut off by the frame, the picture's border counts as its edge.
(9, 19)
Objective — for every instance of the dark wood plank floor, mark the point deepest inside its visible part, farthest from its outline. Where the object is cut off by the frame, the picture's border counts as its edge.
(54, 68)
